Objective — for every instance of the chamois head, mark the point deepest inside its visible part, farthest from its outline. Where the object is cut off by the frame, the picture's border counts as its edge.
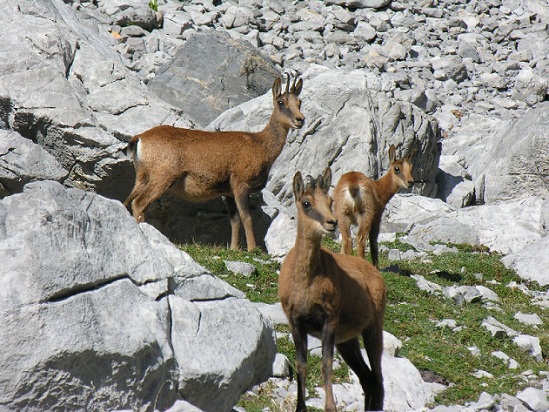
(314, 205)
(401, 169)
(287, 104)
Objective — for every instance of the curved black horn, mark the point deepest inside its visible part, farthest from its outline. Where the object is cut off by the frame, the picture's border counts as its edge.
(311, 182)
(292, 90)
(287, 82)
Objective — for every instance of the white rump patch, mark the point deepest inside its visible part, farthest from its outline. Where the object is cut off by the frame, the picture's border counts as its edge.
(138, 149)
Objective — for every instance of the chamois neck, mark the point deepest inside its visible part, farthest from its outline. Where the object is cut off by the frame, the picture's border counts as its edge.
(274, 134)
(307, 248)
(387, 187)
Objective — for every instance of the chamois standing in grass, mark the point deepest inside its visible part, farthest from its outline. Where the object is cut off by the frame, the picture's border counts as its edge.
(331, 296)
(361, 201)
(198, 165)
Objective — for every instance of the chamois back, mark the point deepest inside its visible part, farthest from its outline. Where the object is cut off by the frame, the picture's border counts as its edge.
(198, 165)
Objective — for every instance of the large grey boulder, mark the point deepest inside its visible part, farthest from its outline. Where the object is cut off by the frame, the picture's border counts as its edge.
(212, 73)
(505, 227)
(505, 159)
(64, 87)
(520, 159)
(100, 313)
(454, 183)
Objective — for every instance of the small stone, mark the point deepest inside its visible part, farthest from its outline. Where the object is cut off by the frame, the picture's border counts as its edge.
(447, 323)
(535, 399)
(532, 319)
(485, 401)
(530, 344)
(239, 268)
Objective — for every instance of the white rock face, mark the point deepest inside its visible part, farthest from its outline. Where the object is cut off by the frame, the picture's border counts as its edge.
(531, 262)
(101, 311)
(508, 226)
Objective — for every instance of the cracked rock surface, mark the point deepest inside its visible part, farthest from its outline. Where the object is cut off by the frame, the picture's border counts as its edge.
(100, 311)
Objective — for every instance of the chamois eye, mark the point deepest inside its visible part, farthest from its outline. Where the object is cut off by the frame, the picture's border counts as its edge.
(306, 204)
(281, 103)
(397, 170)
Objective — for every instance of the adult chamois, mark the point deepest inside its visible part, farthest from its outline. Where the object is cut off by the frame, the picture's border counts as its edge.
(331, 296)
(198, 165)
(361, 201)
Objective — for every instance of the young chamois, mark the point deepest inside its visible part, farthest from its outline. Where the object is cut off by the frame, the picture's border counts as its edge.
(198, 165)
(361, 201)
(331, 296)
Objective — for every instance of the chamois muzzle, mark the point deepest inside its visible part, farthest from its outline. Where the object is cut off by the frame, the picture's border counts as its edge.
(299, 121)
(330, 226)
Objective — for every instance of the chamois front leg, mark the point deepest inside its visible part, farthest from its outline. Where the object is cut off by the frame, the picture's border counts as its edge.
(242, 199)
(351, 354)
(299, 335)
(234, 218)
(328, 343)
(374, 234)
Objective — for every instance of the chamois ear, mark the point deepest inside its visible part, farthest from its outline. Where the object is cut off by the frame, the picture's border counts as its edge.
(298, 185)
(277, 87)
(325, 180)
(392, 154)
(298, 86)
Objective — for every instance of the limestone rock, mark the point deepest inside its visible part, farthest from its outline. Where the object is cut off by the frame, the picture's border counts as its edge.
(212, 73)
(122, 316)
(22, 161)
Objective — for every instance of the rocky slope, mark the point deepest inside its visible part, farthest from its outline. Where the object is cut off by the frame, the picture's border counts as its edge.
(466, 81)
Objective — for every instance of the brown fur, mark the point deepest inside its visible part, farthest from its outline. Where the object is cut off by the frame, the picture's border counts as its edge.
(334, 297)
(361, 201)
(198, 165)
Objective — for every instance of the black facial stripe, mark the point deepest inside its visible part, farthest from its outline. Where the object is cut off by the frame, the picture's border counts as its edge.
(315, 215)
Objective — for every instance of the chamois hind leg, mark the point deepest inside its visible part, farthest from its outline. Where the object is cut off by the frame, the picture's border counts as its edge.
(364, 225)
(299, 335)
(351, 354)
(374, 234)
(373, 343)
(344, 225)
(141, 179)
(234, 217)
(148, 194)
(242, 200)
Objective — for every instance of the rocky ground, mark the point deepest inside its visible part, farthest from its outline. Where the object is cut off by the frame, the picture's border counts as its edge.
(448, 57)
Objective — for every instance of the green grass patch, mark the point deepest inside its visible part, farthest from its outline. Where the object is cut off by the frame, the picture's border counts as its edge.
(261, 286)
(412, 316)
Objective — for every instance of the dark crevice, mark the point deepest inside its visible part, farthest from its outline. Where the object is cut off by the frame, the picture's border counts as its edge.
(8, 151)
(170, 291)
(213, 299)
(85, 288)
